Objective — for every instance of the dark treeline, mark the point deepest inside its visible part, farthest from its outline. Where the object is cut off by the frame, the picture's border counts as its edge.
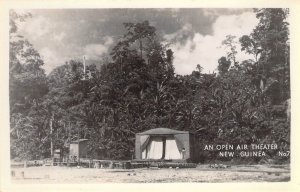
(137, 89)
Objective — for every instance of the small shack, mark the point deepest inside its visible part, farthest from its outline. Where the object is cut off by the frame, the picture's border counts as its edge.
(166, 144)
(78, 149)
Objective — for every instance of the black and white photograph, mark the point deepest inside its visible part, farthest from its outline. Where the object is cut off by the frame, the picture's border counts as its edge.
(149, 95)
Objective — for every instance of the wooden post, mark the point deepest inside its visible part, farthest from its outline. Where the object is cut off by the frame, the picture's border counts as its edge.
(141, 48)
(51, 134)
(78, 148)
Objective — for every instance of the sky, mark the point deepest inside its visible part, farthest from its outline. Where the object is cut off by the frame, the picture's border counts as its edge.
(195, 35)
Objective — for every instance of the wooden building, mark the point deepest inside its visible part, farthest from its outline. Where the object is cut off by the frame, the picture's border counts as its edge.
(78, 149)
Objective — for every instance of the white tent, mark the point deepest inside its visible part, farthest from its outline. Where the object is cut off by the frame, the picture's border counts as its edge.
(161, 148)
(166, 144)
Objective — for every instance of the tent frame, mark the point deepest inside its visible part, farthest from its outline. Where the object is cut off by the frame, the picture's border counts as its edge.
(186, 142)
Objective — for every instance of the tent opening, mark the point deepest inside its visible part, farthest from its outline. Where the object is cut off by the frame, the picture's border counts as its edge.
(161, 147)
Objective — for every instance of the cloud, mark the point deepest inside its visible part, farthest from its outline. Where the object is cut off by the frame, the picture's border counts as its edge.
(95, 51)
(235, 24)
(63, 34)
(59, 37)
(51, 59)
(36, 26)
(202, 49)
(181, 35)
(224, 11)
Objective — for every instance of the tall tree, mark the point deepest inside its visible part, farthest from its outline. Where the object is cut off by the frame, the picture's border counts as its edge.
(270, 41)
(27, 85)
(223, 66)
(230, 44)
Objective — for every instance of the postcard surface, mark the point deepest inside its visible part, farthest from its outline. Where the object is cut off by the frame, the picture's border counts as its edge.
(183, 96)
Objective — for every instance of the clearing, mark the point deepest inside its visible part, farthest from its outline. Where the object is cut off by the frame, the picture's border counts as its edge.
(203, 173)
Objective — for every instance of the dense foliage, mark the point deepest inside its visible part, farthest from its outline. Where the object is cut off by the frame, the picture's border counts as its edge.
(138, 90)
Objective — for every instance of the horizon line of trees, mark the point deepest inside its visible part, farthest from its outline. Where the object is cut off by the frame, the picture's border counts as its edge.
(246, 102)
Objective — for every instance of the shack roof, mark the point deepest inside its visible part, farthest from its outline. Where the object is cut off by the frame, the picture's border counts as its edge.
(79, 141)
(162, 131)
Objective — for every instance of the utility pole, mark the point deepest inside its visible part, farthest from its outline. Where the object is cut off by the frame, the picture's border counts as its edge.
(51, 133)
(83, 67)
(141, 48)
(78, 139)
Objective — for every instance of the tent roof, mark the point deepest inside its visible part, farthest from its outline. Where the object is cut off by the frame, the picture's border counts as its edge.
(162, 131)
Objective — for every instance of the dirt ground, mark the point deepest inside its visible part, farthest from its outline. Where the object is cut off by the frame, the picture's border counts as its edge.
(246, 173)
